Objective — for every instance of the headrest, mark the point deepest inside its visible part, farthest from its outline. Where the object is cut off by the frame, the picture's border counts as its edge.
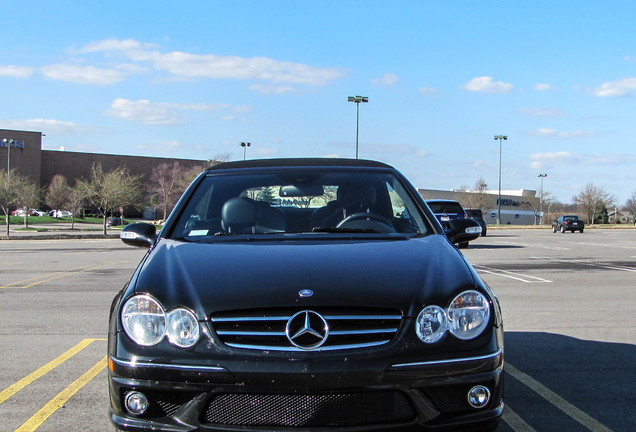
(357, 194)
(238, 214)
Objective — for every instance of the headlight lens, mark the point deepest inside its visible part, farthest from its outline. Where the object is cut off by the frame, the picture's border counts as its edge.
(144, 320)
(183, 328)
(431, 324)
(466, 318)
(468, 315)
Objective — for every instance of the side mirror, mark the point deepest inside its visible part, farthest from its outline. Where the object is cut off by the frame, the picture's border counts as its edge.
(462, 230)
(139, 235)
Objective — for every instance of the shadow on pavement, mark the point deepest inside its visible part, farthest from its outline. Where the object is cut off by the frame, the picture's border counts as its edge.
(596, 377)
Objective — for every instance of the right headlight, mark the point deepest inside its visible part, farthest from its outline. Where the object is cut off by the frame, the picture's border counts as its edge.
(465, 318)
(144, 320)
(146, 323)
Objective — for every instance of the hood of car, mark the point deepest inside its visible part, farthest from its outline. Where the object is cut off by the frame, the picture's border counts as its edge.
(224, 276)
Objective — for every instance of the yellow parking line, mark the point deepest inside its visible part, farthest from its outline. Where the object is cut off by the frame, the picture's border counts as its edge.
(57, 275)
(58, 401)
(513, 420)
(13, 389)
(557, 401)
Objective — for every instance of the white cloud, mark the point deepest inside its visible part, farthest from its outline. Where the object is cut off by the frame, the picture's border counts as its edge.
(621, 87)
(485, 84)
(186, 65)
(539, 160)
(428, 91)
(48, 126)
(542, 87)
(16, 71)
(146, 112)
(540, 112)
(550, 132)
(113, 45)
(386, 80)
(83, 74)
(271, 89)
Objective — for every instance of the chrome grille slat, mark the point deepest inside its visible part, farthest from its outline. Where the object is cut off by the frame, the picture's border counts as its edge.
(265, 329)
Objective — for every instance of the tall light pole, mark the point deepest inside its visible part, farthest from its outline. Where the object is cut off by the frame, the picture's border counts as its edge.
(8, 143)
(500, 138)
(357, 100)
(541, 176)
(245, 145)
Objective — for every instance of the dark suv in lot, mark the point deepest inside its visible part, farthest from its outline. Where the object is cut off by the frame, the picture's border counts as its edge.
(478, 216)
(304, 295)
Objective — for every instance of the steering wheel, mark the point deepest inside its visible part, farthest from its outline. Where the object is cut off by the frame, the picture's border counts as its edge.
(361, 216)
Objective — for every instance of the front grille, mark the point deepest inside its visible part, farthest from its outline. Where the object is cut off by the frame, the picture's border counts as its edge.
(266, 329)
(309, 410)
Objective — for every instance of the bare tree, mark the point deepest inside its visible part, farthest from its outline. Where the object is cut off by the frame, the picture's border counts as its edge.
(630, 204)
(477, 198)
(163, 185)
(58, 192)
(592, 200)
(111, 190)
(13, 188)
(30, 197)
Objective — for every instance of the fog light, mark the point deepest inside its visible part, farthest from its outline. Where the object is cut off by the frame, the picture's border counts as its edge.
(136, 403)
(478, 396)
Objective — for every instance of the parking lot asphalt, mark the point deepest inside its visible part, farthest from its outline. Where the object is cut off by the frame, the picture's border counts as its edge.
(567, 301)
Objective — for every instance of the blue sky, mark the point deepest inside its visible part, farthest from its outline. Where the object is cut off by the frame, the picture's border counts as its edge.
(192, 79)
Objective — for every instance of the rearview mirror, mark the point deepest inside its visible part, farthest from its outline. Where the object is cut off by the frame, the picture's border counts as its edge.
(303, 190)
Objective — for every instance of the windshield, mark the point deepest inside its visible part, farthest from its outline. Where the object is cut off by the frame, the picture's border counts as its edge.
(298, 201)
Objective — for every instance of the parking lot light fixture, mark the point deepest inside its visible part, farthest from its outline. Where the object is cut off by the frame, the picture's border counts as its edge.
(245, 145)
(500, 138)
(541, 176)
(357, 100)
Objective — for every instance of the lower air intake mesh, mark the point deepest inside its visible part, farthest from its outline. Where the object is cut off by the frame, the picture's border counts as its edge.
(309, 410)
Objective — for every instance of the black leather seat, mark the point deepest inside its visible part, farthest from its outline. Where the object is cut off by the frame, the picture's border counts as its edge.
(351, 198)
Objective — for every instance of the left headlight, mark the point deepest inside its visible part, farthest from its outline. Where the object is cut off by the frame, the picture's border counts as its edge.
(465, 318)
(468, 315)
(146, 323)
(183, 328)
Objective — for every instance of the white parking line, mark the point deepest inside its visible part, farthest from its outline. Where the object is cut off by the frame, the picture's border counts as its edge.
(556, 400)
(604, 266)
(513, 420)
(508, 274)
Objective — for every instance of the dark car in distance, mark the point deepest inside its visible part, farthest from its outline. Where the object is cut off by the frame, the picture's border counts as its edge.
(304, 295)
(447, 210)
(568, 223)
(478, 216)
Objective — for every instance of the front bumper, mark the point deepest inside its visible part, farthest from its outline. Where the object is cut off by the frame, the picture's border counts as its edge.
(404, 397)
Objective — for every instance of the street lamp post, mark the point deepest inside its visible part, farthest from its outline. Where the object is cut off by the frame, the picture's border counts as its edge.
(542, 176)
(500, 138)
(357, 100)
(245, 145)
(8, 143)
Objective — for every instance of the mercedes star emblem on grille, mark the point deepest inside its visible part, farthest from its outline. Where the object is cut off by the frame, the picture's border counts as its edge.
(307, 330)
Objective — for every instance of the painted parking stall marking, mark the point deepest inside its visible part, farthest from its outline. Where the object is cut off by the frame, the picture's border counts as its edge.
(36, 280)
(60, 399)
(511, 275)
(573, 412)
